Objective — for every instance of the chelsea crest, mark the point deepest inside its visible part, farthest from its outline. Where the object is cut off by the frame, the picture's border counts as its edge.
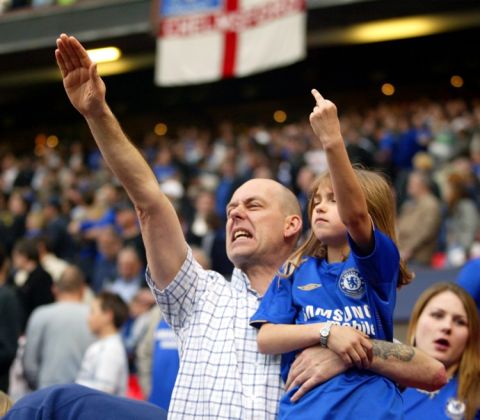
(351, 284)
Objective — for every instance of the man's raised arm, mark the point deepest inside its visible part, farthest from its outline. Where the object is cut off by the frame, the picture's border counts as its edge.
(162, 234)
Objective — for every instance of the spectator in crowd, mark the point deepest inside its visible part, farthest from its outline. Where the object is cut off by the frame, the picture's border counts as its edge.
(105, 271)
(419, 221)
(104, 365)
(10, 169)
(13, 228)
(461, 222)
(55, 229)
(10, 322)
(165, 364)
(107, 197)
(35, 286)
(225, 186)
(400, 142)
(445, 325)
(130, 278)
(52, 264)
(360, 150)
(57, 334)
(209, 314)
(204, 206)
(469, 279)
(127, 223)
(157, 360)
(350, 253)
(137, 323)
(145, 350)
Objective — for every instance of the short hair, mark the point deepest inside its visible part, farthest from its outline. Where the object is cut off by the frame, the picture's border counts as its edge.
(111, 302)
(72, 280)
(27, 248)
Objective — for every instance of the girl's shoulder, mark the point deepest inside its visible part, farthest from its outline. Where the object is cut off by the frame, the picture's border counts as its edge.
(307, 263)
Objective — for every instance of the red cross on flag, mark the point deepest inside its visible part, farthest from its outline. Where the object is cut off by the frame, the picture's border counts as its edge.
(201, 41)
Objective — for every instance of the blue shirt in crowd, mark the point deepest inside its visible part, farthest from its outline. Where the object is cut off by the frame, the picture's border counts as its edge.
(441, 404)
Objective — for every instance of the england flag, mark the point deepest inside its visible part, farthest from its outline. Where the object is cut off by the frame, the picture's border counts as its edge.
(202, 41)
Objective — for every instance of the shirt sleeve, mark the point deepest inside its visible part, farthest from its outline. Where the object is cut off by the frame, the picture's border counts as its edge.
(381, 267)
(31, 356)
(277, 305)
(177, 301)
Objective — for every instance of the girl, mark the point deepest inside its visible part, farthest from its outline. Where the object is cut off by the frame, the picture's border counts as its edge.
(445, 325)
(340, 285)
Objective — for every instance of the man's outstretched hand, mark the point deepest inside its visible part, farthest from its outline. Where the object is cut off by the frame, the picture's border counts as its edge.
(84, 87)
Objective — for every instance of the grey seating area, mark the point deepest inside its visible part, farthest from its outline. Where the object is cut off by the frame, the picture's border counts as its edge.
(424, 278)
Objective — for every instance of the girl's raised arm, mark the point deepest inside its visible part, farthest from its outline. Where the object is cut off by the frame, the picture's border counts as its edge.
(351, 202)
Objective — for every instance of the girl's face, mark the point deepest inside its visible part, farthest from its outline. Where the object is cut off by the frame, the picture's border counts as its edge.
(442, 329)
(326, 223)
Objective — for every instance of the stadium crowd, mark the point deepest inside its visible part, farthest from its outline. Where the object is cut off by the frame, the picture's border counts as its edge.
(63, 207)
(430, 150)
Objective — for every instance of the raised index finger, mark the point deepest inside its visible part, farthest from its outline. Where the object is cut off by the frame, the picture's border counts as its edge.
(317, 96)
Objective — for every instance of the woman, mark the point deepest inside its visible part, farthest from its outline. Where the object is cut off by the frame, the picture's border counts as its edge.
(461, 221)
(445, 325)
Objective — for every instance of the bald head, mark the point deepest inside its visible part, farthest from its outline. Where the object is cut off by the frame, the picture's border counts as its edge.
(72, 280)
(276, 192)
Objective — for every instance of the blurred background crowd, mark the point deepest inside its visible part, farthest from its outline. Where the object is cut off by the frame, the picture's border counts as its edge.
(60, 206)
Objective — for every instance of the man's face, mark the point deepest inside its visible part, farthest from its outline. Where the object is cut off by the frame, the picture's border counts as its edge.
(128, 264)
(255, 223)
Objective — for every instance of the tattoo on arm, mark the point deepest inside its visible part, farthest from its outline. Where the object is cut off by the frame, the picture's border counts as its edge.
(386, 350)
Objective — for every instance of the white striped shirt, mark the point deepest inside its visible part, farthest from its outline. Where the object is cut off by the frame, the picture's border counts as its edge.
(222, 375)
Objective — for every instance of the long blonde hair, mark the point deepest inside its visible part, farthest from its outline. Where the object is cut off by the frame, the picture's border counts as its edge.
(381, 207)
(468, 372)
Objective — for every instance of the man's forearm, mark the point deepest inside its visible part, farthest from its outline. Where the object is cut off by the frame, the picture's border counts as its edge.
(123, 158)
(408, 366)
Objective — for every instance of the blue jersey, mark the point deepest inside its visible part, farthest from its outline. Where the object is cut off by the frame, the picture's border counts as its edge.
(442, 404)
(360, 293)
(164, 365)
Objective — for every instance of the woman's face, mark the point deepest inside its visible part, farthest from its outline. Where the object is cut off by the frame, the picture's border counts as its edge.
(442, 329)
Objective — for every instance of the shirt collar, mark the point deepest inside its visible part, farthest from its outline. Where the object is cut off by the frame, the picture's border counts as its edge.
(241, 282)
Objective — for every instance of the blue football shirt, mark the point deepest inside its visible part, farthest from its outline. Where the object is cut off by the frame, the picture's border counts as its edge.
(359, 292)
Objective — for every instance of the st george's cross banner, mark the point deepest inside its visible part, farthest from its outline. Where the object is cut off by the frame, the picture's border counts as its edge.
(200, 41)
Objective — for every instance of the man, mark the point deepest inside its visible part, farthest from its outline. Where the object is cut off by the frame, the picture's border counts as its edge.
(58, 335)
(221, 375)
(34, 284)
(130, 278)
(419, 221)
